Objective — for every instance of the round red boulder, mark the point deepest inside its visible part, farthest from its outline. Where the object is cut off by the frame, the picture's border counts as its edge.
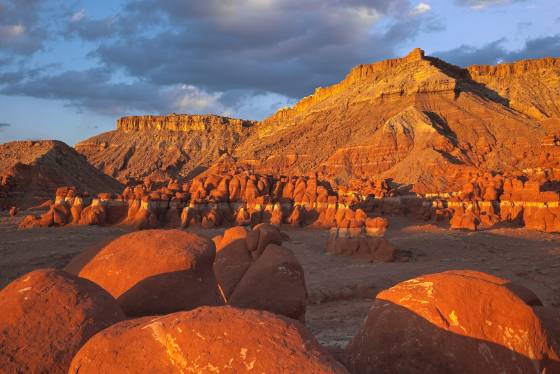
(46, 316)
(206, 340)
(451, 322)
(156, 272)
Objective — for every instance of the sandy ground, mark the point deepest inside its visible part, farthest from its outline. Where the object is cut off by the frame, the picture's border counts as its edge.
(341, 289)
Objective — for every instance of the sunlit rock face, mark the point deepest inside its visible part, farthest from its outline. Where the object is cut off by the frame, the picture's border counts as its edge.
(154, 271)
(416, 119)
(163, 147)
(47, 316)
(455, 321)
(531, 86)
(222, 339)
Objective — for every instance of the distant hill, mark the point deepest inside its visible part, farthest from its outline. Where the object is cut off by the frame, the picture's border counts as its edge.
(33, 170)
(162, 147)
(416, 119)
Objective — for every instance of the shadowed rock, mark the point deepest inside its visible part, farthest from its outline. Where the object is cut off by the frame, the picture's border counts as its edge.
(450, 322)
(156, 271)
(46, 316)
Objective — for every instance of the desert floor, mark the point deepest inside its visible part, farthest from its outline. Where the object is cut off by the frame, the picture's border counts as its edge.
(341, 289)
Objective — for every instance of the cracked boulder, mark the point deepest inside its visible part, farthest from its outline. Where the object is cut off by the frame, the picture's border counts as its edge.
(452, 322)
(255, 271)
(206, 340)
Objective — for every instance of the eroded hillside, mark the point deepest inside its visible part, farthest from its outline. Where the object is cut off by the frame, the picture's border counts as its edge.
(415, 119)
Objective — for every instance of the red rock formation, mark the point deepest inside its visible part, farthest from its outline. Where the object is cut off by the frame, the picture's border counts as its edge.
(274, 282)
(531, 86)
(164, 147)
(415, 119)
(219, 339)
(47, 315)
(372, 249)
(31, 171)
(434, 322)
(156, 272)
(255, 271)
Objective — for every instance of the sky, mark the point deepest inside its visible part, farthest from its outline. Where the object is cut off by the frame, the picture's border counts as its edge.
(70, 68)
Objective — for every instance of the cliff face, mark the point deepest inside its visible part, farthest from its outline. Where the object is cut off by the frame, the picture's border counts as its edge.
(162, 147)
(532, 87)
(181, 122)
(416, 119)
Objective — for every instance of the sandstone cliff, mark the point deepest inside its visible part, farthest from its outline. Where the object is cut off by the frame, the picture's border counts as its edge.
(181, 122)
(531, 87)
(162, 147)
(416, 119)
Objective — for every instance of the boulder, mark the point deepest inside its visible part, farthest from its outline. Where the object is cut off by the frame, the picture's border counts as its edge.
(94, 214)
(274, 282)
(376, 226)
(277, 215)
(47, 315)
(76, 209)
(232, 258)
(255, 271)
(156, 271)
(297, 216)
(243, 217)
(352, 242)
(451, 322)
(464, 220)
(218, 339)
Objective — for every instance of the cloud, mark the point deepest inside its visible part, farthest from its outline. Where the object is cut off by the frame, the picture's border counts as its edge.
(422, 8)
(21, 31)
(95, 90)
(481, 4)
(521, 26)
(245, 58)
(495, 52)
(78, 16)
(287, 47)
(4, 125)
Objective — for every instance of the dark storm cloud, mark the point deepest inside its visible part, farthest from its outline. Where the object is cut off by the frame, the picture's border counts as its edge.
(221, 56)
(21, 32)
(91, 30)
(495, 52)
(466, 55)
(288, 47)
(93, 89)
(4, 125)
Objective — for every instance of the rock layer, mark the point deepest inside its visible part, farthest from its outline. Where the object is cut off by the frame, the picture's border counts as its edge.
(163, 147)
